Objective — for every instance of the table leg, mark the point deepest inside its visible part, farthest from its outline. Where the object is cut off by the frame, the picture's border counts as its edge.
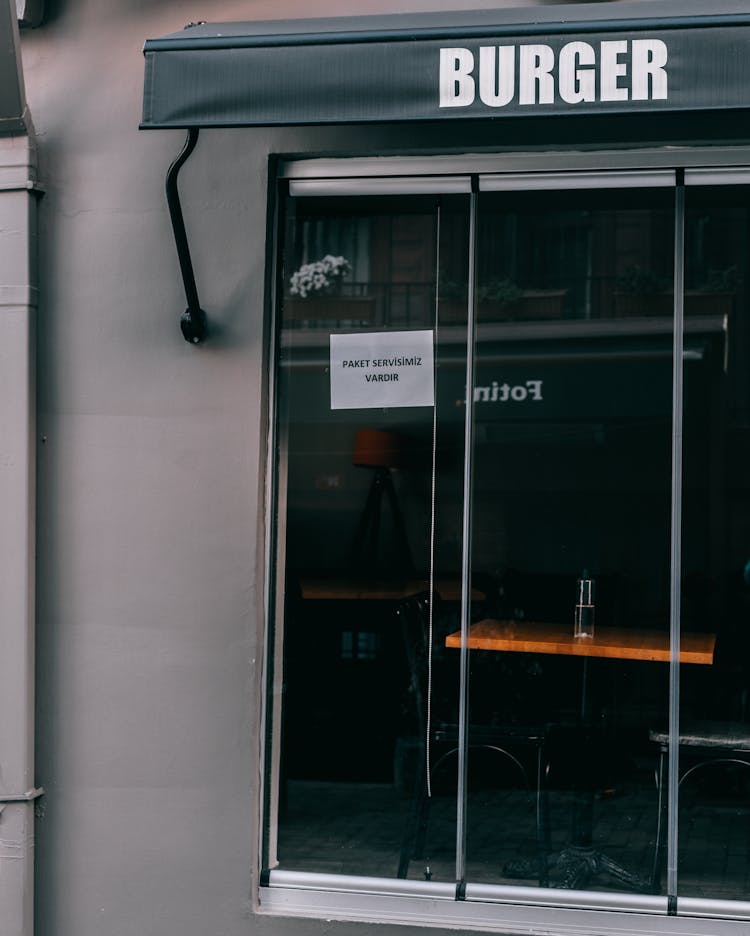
(579, 862)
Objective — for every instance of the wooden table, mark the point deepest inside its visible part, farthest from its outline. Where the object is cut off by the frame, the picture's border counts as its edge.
(580, 860)
(619, 643)
(361, 589)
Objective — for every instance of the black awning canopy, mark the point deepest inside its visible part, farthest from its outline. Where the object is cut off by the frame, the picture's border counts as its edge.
(620, 57)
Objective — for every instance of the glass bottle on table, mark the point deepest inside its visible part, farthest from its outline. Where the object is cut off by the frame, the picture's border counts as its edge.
(583, 623)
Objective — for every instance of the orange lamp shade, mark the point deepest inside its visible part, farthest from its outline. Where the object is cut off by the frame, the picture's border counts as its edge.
(374, 448)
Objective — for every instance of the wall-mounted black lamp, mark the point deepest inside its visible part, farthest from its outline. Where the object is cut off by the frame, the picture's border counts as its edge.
(193, 322)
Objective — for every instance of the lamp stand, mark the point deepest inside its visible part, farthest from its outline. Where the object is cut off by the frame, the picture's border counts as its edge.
(366, 552)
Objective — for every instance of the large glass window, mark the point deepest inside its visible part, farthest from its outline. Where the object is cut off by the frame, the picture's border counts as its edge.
(510, 554)
(712, 766)
(370, 504)
(571, 485)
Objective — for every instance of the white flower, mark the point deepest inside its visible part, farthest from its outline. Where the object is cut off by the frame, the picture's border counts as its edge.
(318, 276)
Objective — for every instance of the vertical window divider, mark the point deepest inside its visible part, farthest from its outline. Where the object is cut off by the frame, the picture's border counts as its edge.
(676, 544)
(433, 494)
(463, 714)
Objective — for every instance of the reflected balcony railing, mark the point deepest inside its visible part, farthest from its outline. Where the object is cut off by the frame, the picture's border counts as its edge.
(412, 304)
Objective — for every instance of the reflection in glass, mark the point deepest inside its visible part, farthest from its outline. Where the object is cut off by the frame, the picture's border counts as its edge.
(571, 482)
(550, 258)
(369, 506)
(571, 505)
(714, 755)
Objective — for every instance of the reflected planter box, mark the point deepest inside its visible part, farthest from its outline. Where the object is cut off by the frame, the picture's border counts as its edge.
(327, 309)
(706, 303)
(532, 305)
(655, 305)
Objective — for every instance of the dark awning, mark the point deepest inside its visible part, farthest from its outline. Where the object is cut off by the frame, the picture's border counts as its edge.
(578, 59)
(13, 116)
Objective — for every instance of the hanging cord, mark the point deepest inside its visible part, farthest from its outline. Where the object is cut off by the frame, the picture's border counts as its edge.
(433, 486)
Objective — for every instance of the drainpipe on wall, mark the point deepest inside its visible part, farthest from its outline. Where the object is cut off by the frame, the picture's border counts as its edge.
(18, 300)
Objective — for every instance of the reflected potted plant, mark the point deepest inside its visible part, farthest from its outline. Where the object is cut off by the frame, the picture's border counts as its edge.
(316, 295)
(715, 296)
(641, 292)
(503, 294)
(502, 299)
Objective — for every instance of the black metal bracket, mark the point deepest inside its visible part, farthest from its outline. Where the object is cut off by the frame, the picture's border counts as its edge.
(193, 320)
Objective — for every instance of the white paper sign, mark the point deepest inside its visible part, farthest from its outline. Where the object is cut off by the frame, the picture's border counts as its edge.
(382, 369)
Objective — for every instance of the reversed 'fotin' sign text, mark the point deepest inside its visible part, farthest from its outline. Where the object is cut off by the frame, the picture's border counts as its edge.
(382, 369)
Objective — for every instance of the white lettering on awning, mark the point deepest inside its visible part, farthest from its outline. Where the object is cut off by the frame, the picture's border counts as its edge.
(618, 70)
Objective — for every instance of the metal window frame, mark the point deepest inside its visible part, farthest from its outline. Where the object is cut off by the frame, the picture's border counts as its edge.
(524, 910)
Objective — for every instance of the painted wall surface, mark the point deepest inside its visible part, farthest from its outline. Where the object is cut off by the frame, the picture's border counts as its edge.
(151, 483)
(150, 488)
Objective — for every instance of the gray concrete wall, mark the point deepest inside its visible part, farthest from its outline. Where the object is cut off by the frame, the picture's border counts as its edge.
(149, 471)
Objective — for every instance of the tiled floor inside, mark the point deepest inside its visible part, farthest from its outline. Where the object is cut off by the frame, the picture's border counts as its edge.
(358, 829)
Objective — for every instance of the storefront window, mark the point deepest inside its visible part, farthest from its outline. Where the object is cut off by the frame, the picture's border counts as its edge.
(714, 749)
(371, 501)
(573, 412)
(441, 528)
